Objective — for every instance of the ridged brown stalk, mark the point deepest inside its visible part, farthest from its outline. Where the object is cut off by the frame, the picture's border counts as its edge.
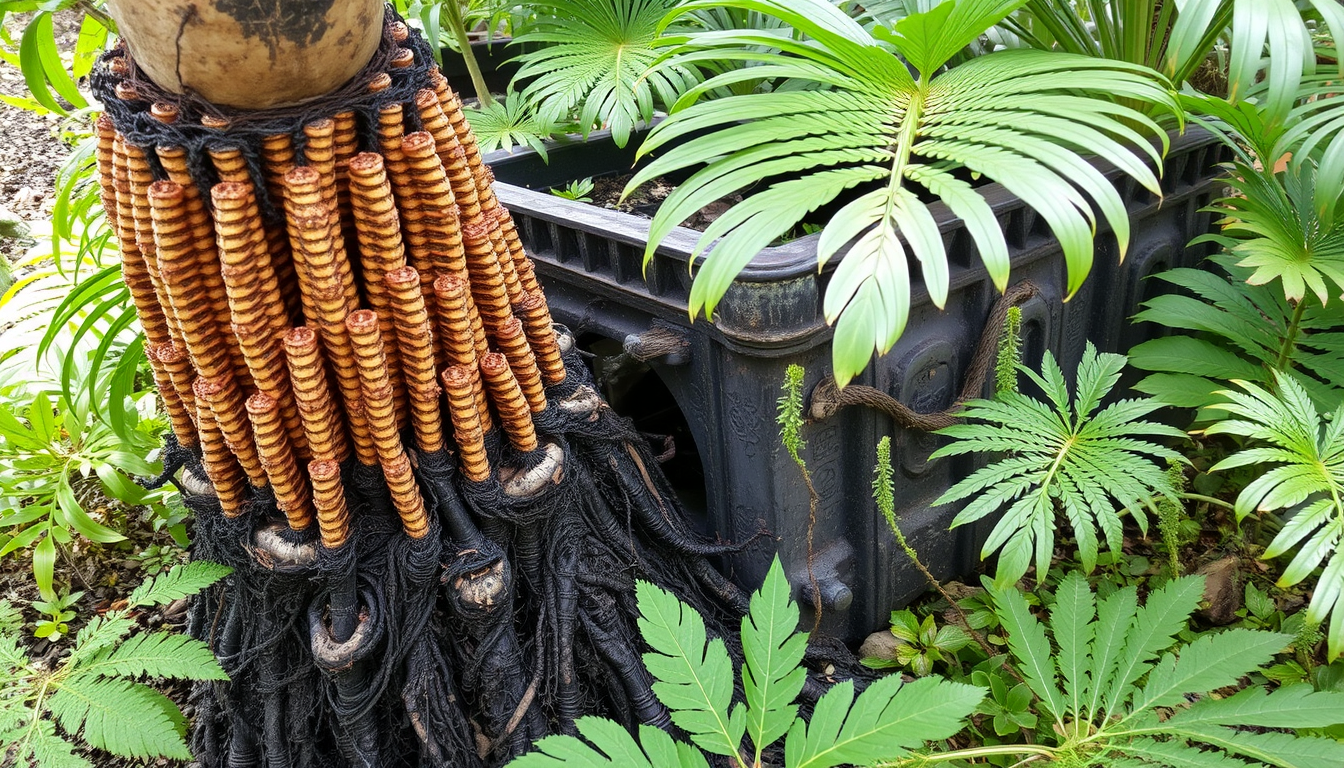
(182, 421)
(227, 404)
(279, 158)
(380, 412)
(509, 402)
(541, 336)
(464, 340)
(378, 230)
(513, 344)
(487, 282)
(324, 283)
(132, 162)
(257, 309)
(177, 365)
(333, 516)
(225, 474)
(415, 338)
(277, 459)
(457, 384)
(312, 395)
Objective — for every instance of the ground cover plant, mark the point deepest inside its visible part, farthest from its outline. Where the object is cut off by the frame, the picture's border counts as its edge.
(1074, 653)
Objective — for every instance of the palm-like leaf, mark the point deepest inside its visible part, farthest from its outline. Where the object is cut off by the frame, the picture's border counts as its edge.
(1236, 331)
(1176, 37)
(1021, 118)
(1063, 458)
(1307, 454)
(595, 59)
(509, 122)
(1089, 679)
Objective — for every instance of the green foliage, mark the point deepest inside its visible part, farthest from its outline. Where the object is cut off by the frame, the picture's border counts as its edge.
(1010, 353)
(1009, 706)
(855, 118)
(595, 63)
(1306, 453)
(790, 417)
(1171, 517)
(1118, 689)
(94, 694)
(1176, 38)
(1070, 458)
(507, 123)
(695, 681)
(51, 81)
(58, 615)
(1236, 330)
(578, 190)
(921, 644)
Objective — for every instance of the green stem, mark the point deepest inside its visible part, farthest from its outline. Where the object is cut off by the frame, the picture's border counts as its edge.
(977, 752)
(459, 28)
(1290, 338)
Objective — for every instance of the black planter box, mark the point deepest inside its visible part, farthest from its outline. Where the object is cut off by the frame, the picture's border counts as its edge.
(495, 58)
(722, 388)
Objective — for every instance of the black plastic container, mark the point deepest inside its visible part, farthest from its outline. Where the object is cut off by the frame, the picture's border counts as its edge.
(715, 387)
(494, 59)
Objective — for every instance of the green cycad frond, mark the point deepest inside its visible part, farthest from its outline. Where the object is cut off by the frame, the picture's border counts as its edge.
(1064, 457)
(1307, 477)
(1238, 331)
(1117, 687)
(597, 54)
(1022, 118)
(509, 122)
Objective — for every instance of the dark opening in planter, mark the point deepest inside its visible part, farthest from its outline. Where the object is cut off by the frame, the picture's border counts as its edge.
(726, 382)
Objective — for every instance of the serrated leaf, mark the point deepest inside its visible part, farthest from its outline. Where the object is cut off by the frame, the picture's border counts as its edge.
(1209, 663)
(124, 718)
(159, 654)
(773, 649)
(1294, 706)
(181, 581)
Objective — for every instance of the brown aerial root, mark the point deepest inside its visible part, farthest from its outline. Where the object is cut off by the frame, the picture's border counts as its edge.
(415, 337)
(320, 152)
(513, 344)
(536, 320)
(527, 277)
(514, 242)
(333, 516)
(399, 31)
(445, 139)
(202, 237)
(164, 112)
(185, 285)
(278, 158)
(132, 177)
(277, 459)
(457, 383)
(322, 280)
(228, 161)
(150, 305)
(487, 282)
(452, 109)
(312, 395)
(104, 155)
(458, 338)
(182, 422)
(177, 366)
(221, 467)
(402, 58)
(379, 411)
(225, 402)
(126, 92)
(258, 313)
(509, 402)
(436, 207)
(380, 82)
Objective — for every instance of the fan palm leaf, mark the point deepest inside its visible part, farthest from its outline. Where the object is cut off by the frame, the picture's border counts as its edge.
(866, 128)
(595, 59)
(1306, 455)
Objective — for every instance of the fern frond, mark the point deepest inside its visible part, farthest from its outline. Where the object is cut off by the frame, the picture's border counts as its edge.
(773, 649)
(1031, 649)
(39, 746)
(1166, 612)
(181, 581)
(159, 654)
(122, 717)
(607, 745)
(694, 675)
(1070, 457)
(1295, 706)
(1209, 663)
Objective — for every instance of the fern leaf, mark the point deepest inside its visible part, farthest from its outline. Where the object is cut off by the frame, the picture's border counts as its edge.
(1072, 626)
(1296, 706)
(1166, 612)
(773, 650)
(694, 676)
(1209, 663)
(124, 718)
(1270, 748)
(608, 745)
(182, 581)
(160, 654)
(888, 718)
(1028, 643)
(1173, 754)
(1115, 616)
(41, 747)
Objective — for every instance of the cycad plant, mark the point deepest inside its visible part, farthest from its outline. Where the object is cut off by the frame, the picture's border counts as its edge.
(856, 124)
(595, 63)
(1063, 458)
(1116, 689)
(1306, 478)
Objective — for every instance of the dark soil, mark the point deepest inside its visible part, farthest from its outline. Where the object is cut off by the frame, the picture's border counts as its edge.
(644, 201)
